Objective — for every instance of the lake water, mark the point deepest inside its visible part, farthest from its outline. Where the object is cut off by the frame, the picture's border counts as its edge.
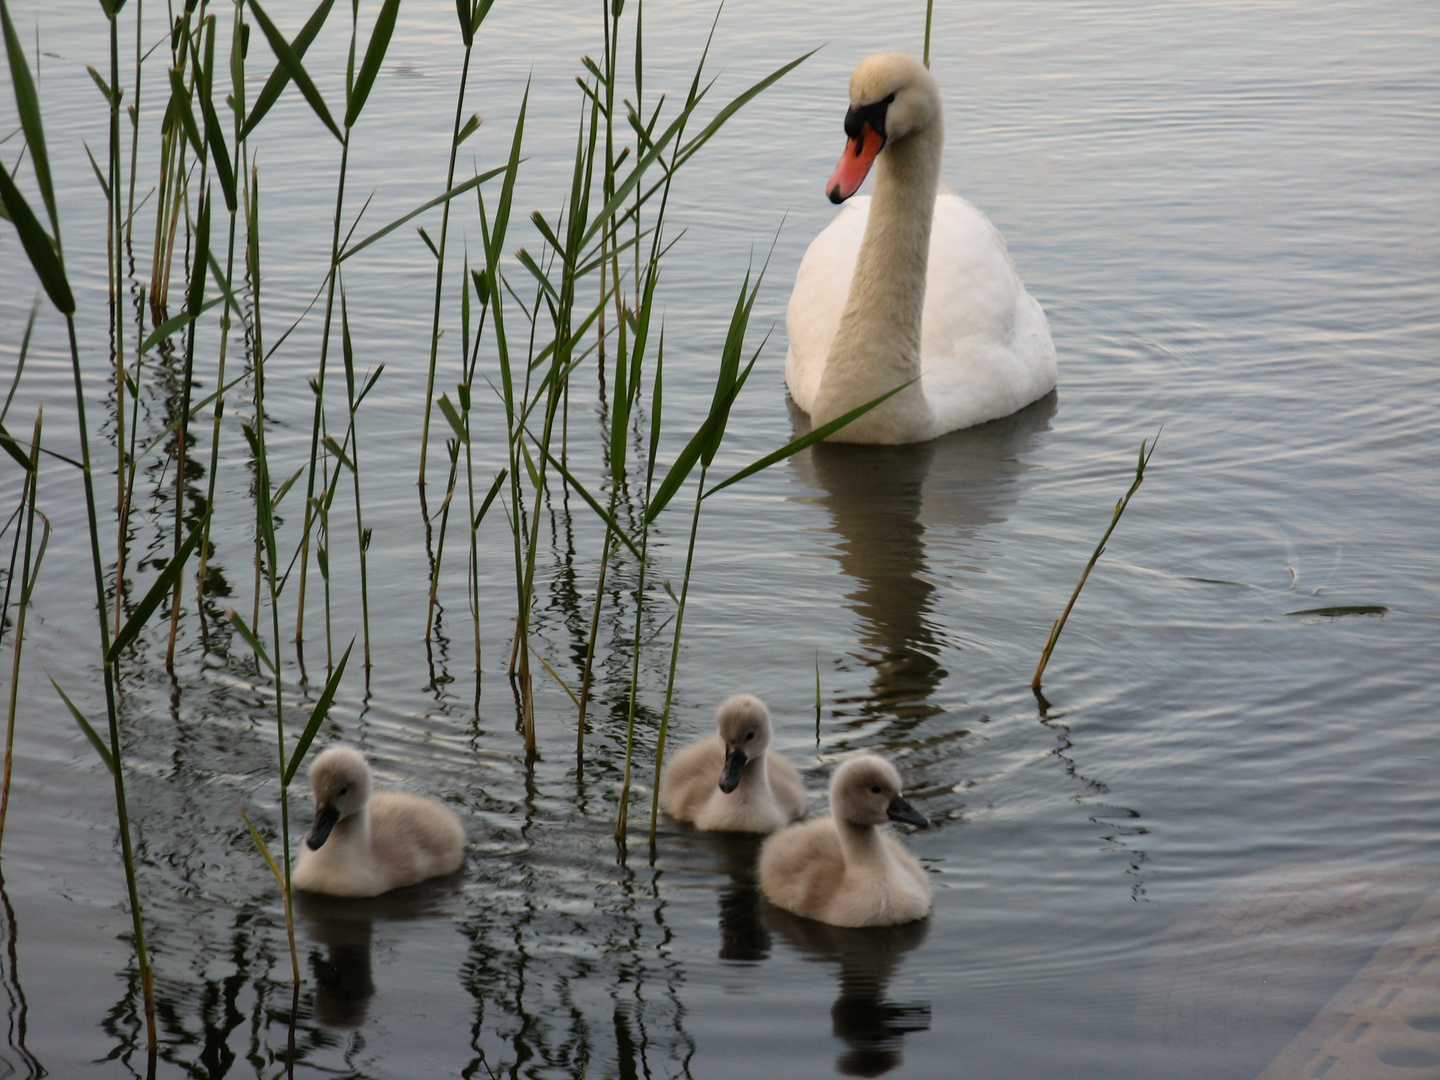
(1231, 214)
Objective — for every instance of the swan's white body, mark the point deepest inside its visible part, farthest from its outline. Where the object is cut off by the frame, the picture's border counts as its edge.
(908, 285)
(767, 793)
(849, 869)
(375, 843)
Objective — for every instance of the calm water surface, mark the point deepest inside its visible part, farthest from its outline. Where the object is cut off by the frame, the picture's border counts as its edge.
(1231, 214)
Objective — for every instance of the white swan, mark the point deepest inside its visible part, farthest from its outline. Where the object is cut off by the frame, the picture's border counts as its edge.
(849, 869)
(891, 290)
(733, 781)
(365, 845)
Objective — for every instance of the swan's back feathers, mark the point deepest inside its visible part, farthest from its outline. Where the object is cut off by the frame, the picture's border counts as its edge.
(802, 867)
(413, 837)
(985, 346)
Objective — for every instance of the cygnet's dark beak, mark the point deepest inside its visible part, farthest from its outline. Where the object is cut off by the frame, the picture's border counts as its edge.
(325, 819)
(900, 810)
(734, 765)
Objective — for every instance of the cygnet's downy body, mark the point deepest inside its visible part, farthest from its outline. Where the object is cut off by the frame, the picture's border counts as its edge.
(850, 869)
(363, 844)
(733, 781)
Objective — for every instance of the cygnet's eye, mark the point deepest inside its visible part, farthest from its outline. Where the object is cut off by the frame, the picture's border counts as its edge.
(346, 788)
(876, 789)
(749, 735)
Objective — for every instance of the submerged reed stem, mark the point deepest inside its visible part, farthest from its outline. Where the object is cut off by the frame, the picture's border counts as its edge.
(1120, 506)
(27, 586)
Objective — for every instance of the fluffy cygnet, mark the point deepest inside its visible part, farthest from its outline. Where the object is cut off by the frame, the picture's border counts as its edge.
(732, 781)
(363, 844)
(849, 869)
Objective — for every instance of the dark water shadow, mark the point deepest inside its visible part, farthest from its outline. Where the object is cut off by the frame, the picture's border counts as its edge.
(345, 926)
(881, 501)
(871, 1026)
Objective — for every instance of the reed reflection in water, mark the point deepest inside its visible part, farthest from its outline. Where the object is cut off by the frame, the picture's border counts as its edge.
(882, 500)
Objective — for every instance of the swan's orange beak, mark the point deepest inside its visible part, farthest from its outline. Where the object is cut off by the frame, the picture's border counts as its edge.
(854, 164)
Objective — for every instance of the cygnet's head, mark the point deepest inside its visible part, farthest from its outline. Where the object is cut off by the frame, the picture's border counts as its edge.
(744, 724)
(892, 96)
(340, 779)
(866, 791)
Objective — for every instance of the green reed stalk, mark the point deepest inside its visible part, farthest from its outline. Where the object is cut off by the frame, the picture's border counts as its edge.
(622, 815)
(1120, 506)
(471, 14)
(463, 391)
(929, 16)
(265, 508)
(675, 656)
(352, 438)
(134, 110)
(238, 174)
(46, 254)
(27, 587)
(318, 386)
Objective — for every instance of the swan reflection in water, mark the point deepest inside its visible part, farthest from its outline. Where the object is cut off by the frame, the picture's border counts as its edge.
(871, 1026)
(345, 926)
(881, 501)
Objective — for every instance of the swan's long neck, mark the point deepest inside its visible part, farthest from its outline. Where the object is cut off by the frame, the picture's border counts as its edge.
(877, 346)
(354, 829)
(755, 776)
(864, 850)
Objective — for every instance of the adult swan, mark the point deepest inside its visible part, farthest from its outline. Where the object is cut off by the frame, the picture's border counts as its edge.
(909, 283)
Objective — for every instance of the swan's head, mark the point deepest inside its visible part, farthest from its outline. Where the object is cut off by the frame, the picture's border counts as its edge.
(340, 779)
(866, 791)
(744, 724)
(892, 96)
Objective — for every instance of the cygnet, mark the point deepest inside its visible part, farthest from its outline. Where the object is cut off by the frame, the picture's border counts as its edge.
(849, 869)
(733, 781)
(365, 845)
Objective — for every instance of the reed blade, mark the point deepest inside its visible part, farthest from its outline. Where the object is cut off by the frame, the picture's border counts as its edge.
(317, 716)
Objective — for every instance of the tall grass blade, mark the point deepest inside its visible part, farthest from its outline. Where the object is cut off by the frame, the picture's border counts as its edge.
(284, 893)
(810, 438)
(317, 717)
(42, 251)
(374, 57)
(175, 323)
(722, 117)
(90, 732)
(591, 501)
(20, 359)
(254, 642)
(280, 77)
(459, 189)
(162, 585)
(27, 103)
(290, 60)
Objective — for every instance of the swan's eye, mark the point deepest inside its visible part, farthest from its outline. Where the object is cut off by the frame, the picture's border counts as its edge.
(749, 735)
(346, 788)
(876, 789)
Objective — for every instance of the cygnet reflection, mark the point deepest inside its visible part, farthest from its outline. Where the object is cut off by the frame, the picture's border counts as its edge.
(344, 927)
(881, 501)
(742, 935)
(871, 1026)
